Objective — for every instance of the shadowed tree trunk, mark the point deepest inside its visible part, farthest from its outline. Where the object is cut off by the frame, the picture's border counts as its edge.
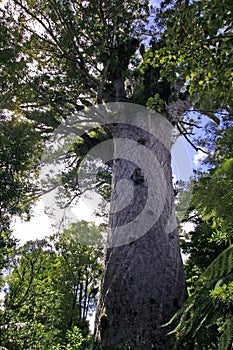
(143, 283)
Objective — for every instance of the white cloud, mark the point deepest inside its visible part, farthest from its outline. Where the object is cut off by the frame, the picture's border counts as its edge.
(37, 228)
(199, 157)
(41, 226)
(188, 227)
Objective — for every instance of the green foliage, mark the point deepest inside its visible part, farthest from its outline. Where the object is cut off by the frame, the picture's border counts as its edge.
(19, 158)
(12, 64)
(51, 290)
(224, 293)
(67, 68)
(212, 195)
(195, 42)
(207, 314)
(31, 303)
(201, 249)
(205, 310)
(20, 150)
(74, 338)
(75, 341)
(156, 103)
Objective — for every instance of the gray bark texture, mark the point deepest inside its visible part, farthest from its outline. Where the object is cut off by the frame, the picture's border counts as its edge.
(144, 282)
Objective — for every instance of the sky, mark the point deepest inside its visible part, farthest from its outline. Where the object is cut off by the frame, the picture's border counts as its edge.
(40, 224)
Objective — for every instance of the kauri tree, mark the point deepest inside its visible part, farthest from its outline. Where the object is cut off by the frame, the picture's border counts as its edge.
(78, 54)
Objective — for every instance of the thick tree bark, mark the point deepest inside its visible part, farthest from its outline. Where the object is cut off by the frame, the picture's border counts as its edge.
(144, 283)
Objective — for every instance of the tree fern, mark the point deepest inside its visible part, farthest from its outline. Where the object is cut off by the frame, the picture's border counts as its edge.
(226, 338)
(220, 267)
(201, 312)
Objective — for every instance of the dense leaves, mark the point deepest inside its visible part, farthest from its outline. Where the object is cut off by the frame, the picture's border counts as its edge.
(204, 310)
(213, 192)
(51, 289)
(19, 157)
(194, 41)
(66, 70)
(209, 266)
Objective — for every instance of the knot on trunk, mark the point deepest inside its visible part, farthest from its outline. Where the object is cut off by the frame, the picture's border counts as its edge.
(138, 176)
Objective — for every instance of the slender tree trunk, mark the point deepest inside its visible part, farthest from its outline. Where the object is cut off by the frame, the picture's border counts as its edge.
(74, 301)
(85, 306)
(144, 283)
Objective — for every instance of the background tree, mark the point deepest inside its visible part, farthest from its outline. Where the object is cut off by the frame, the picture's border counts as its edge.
(196, 45)
(19, 156)
(51, 291)
(81, 269)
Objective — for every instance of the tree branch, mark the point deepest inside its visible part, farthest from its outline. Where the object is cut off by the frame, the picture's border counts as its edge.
(190, 142)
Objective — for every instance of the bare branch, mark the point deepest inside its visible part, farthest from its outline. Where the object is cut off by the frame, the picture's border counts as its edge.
(190, 124)
(190, 142)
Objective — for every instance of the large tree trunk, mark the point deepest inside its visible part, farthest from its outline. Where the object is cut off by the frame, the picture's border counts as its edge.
(143, 283)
